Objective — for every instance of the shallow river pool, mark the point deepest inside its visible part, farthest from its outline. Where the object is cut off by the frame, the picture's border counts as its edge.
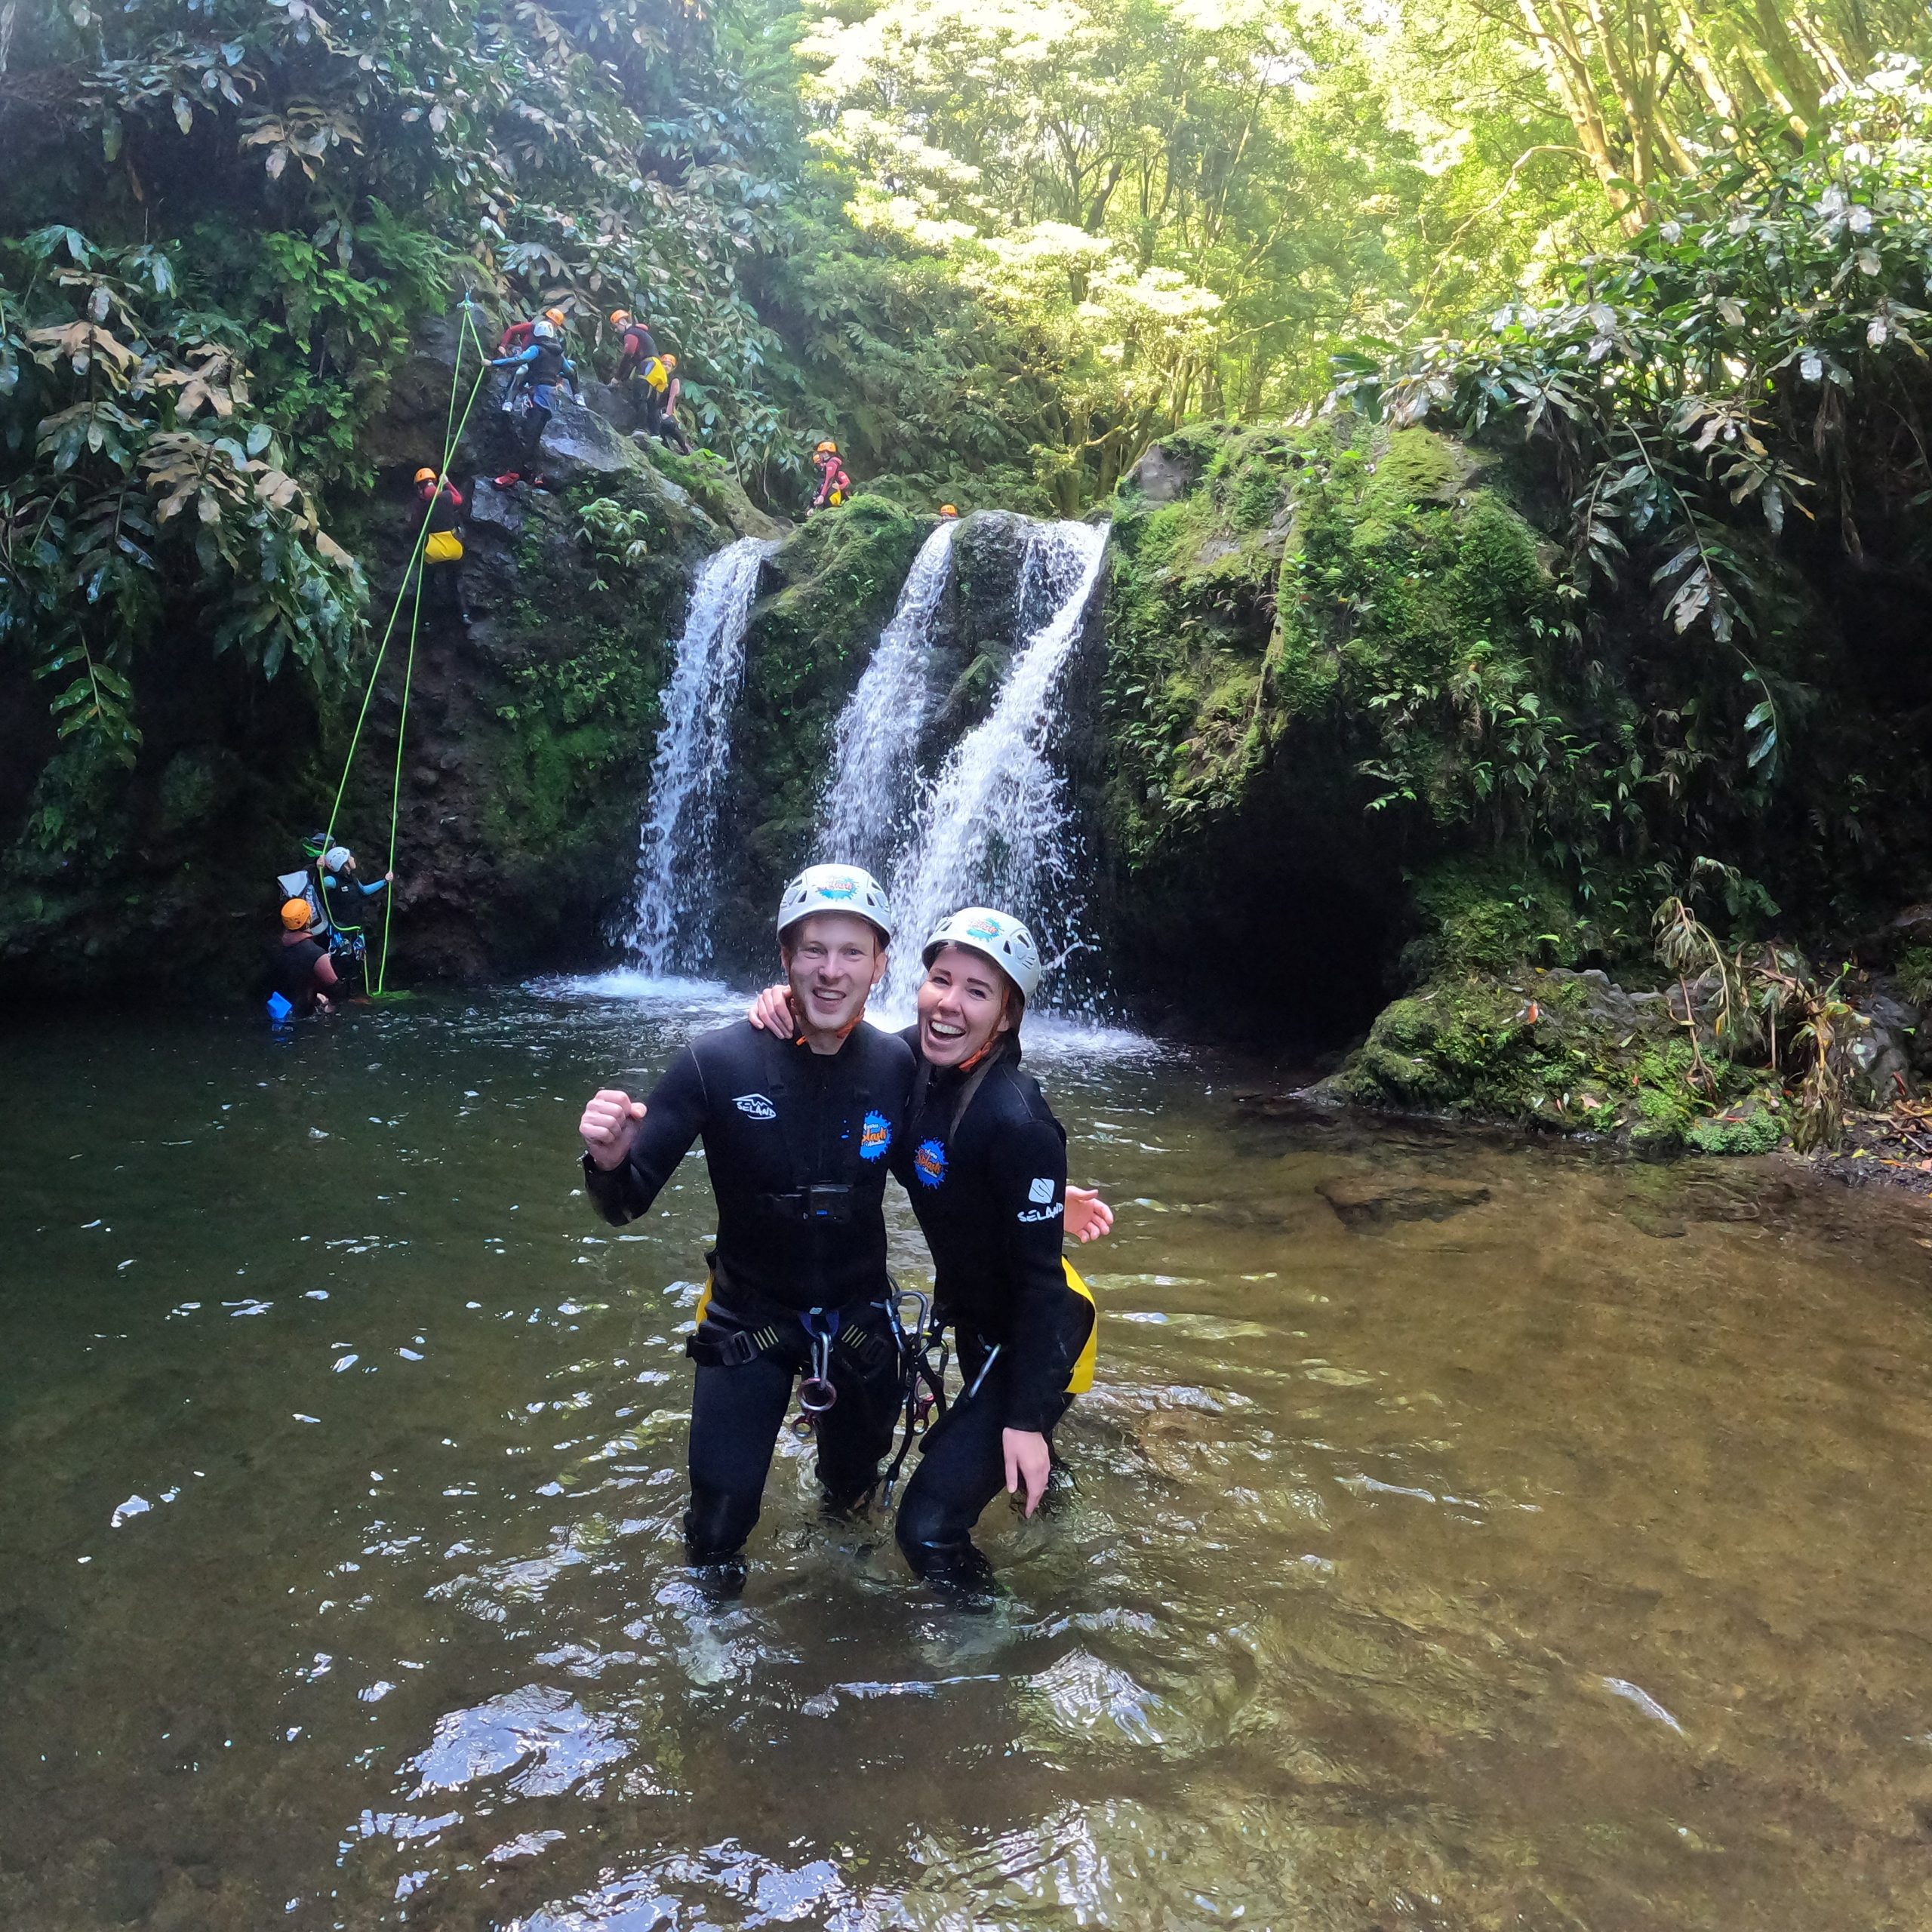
(1461, 1532)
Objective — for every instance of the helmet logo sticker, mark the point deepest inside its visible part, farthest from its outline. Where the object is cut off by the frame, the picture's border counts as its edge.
(755, 1106)
(1042, 1189)
(875, 1137)
(929, 1162)
(985, 929)
(840, 888)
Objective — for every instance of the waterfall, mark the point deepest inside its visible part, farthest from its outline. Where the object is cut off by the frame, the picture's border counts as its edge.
(671, 917)
(863, 817)
(993, 828)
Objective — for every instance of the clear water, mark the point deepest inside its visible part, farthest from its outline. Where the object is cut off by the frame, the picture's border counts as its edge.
(1558, 1561)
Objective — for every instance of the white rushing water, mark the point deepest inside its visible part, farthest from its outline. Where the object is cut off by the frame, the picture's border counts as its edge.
(994, 827)
(670, 920)
(869, 798)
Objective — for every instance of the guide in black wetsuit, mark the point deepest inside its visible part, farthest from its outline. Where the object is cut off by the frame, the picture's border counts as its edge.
(799, 1133)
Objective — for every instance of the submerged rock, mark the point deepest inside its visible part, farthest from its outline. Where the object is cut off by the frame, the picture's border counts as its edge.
(1371, 1201)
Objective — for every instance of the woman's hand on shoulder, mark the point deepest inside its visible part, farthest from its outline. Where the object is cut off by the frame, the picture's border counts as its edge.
(771, 1012)
(1088, 1217)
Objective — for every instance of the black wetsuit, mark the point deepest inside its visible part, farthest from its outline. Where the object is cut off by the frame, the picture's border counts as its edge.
(988, 1185)
(292, 963)
(798, 1145)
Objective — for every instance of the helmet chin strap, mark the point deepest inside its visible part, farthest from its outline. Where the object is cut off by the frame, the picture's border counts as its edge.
(845, 1032)
(993, 1038)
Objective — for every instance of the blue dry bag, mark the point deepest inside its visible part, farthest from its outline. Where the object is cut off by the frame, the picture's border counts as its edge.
(279, 1009)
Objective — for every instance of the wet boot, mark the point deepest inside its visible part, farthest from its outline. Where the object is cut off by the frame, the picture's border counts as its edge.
(959, 1569)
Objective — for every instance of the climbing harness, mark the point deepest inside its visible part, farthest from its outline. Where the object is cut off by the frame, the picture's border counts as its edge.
(454, 427)
(815, 1393)
(923, 1354)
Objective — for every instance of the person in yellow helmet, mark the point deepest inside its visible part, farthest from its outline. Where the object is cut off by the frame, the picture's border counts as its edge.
(834, 485)
(300, 977)
(948, 512)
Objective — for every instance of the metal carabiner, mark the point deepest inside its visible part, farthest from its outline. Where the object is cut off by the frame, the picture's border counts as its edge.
(815, 1393)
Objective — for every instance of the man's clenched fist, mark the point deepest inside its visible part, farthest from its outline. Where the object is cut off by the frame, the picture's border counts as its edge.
(610, 1124)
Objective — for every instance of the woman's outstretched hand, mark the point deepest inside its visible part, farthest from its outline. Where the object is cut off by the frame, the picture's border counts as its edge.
(771, 1012)
(1088, 1217)
(1028, 1461)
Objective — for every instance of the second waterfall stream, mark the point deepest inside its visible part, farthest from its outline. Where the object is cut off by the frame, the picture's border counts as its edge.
(994, 827)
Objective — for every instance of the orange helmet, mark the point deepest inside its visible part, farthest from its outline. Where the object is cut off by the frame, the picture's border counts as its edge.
(295, 915)
(827, 447)
(426, 475)
(556, 315)
(670, 360)
(620, 319)
(948, 509)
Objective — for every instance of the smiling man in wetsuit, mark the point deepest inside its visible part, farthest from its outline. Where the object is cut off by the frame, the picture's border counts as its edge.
(799, 1127)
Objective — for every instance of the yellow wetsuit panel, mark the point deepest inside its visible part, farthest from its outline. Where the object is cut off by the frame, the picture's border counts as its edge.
(1081, 1380)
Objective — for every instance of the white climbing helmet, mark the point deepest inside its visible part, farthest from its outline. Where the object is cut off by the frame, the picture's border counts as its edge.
(999, 936)
(543, 329)
(335, 858)
(835, 889)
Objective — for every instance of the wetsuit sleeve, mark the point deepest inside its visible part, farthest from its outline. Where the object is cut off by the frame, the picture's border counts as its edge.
(673, 1117)
(325, 972)
(1028, 1162)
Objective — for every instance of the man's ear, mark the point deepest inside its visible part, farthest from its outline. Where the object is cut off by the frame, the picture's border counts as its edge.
(878, 965)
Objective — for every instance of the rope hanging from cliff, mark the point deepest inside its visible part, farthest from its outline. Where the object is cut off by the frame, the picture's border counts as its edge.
(452, 429)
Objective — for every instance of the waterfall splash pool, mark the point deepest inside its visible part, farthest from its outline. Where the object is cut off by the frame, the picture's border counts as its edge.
(1461, 1532)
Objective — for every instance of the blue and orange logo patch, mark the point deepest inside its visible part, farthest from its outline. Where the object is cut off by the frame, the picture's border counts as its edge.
(929, 1162)
(875, 1137)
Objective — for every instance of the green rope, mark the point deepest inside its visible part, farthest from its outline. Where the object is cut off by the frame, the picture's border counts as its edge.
(395, 787)
(452, 430)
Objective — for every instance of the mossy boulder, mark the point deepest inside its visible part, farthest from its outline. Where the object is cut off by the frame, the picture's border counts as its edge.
(1573, 1051)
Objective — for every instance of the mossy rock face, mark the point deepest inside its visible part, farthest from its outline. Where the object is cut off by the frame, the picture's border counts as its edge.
(1573, 1051)
(1273, 600)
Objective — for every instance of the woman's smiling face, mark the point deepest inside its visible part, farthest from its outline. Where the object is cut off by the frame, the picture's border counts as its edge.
(963, 1003)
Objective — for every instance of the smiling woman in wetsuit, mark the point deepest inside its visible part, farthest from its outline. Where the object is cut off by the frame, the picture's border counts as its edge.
(799, 1127)
(984, 1161)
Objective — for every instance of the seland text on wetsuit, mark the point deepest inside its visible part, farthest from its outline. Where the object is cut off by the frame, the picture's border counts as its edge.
(988, 1183)
(798, 1145)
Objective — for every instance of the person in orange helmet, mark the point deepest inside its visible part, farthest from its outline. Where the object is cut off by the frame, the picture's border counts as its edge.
(441, 560)
(661, 407)
(300, 977)
(634, 340)
(834, 485)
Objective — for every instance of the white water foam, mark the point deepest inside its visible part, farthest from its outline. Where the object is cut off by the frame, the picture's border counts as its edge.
(865, 816)
(994, 829)
(671, 917)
